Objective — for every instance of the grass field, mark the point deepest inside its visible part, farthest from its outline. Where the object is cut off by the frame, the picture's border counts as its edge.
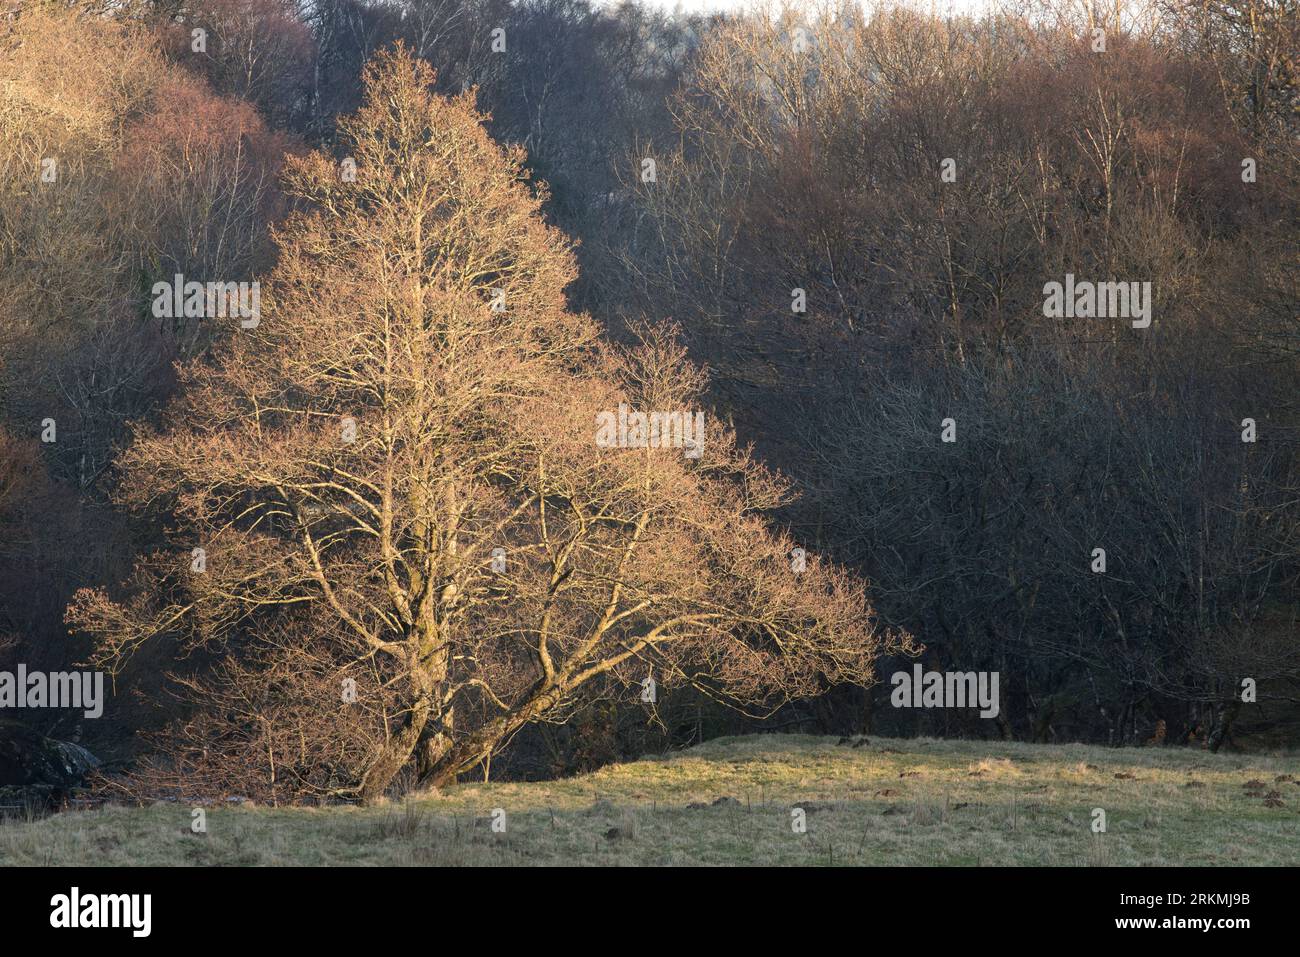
(730, 801)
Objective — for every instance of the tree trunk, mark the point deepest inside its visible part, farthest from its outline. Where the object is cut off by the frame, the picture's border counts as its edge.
(434, 745)
(482, 742)
(393, 756)
(1222, 724)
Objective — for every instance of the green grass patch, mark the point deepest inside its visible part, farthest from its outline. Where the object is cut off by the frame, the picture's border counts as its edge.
(730, 801)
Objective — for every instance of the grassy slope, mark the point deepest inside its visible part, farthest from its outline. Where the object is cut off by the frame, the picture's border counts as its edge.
(914, 801)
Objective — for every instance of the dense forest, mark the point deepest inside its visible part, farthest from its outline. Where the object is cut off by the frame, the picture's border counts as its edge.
(308, 309)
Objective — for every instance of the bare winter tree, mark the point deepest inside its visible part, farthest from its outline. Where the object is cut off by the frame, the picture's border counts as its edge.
(393, 516)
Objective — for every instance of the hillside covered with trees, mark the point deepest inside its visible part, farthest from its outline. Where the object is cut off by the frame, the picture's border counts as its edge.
(395, 392)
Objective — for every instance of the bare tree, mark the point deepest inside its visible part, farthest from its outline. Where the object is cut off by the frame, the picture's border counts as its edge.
(398, 475)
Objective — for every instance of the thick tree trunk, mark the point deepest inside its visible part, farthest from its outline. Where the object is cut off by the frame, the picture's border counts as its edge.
(426, 671)
(477, 746)
(434, 745)
(394, 755)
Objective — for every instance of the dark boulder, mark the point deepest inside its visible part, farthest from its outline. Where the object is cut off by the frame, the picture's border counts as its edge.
(35, 769)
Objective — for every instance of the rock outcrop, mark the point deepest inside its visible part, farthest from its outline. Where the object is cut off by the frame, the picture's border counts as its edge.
(36, 770)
